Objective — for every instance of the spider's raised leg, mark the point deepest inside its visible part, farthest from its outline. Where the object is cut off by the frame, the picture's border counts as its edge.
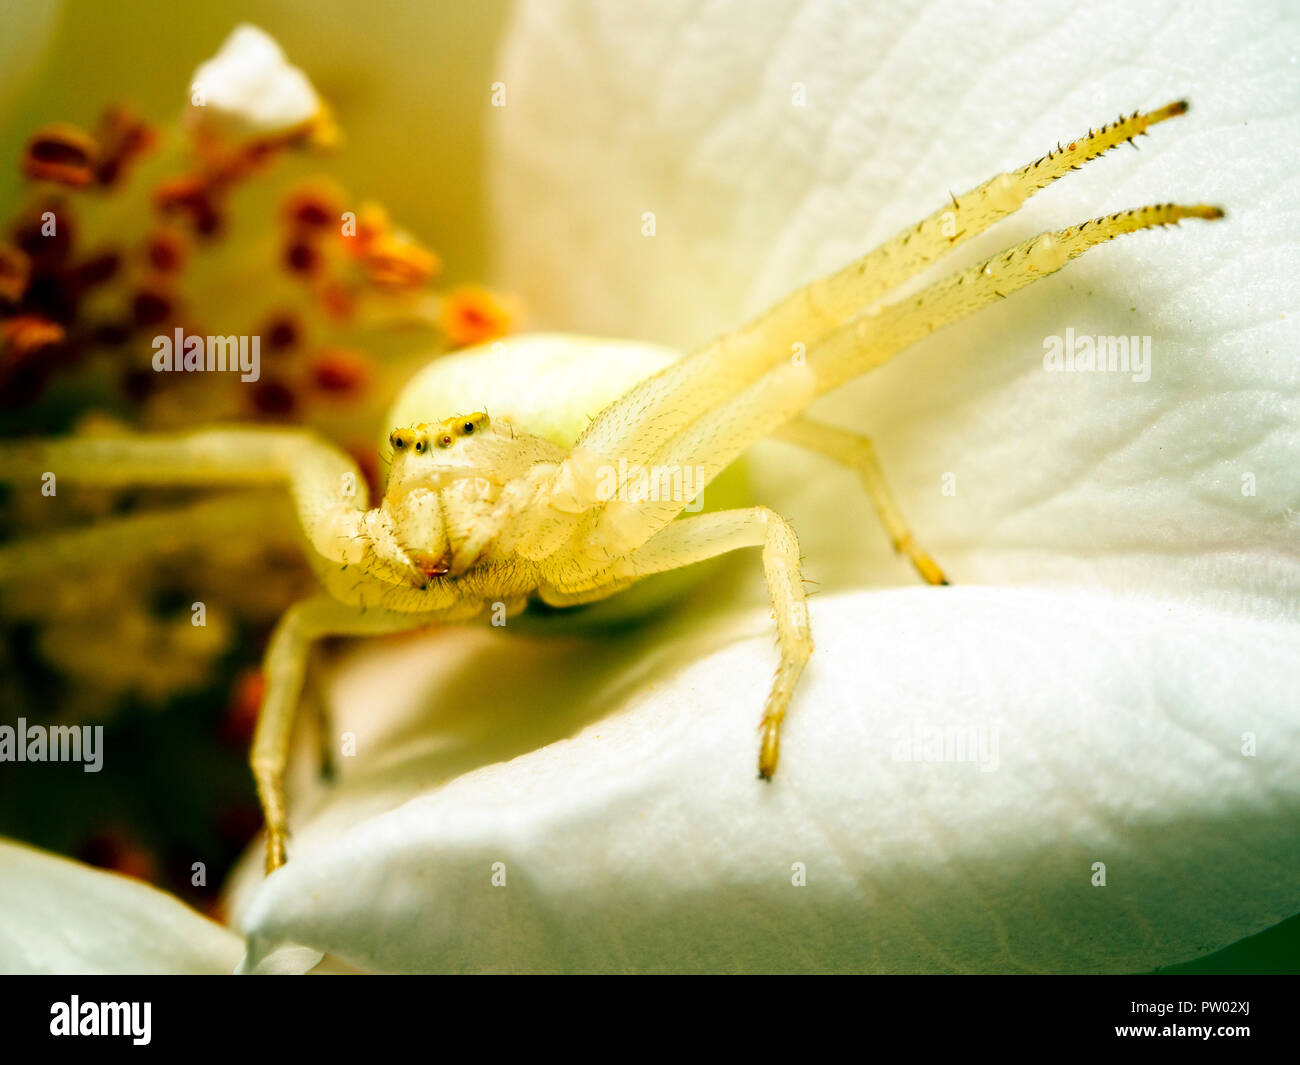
(857, 453)
(704, 536)
(703, 450)
(284, 667)
(874, 339)
(649, 415)
(327, 488)
(740, 417)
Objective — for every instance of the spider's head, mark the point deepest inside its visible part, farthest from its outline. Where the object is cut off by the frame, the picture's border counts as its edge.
(423, 439)
(434, 455)
(461, 448)
(444, 480)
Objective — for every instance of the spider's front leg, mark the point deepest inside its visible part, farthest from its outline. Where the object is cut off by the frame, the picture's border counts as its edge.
(705, 536)
(329, 497)
(663, 406)
(258, 515)
(284, 667)
(327, 489)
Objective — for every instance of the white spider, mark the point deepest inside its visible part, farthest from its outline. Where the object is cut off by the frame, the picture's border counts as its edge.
(481, 511)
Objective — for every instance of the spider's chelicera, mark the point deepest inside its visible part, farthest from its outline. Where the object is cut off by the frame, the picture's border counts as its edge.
(481, 511)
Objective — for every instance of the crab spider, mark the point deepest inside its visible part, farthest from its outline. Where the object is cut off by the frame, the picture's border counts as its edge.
(486, 510)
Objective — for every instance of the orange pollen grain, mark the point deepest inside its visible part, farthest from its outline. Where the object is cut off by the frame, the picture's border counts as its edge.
(472, 314)
(394, 263)
(281, 333)
(25, 334)
(122, 138)
(15, 272)
(62, 154)
(166, 251)
(313, 206)
(301, 257)
(189, 196)
(340, 370)
(337, 300)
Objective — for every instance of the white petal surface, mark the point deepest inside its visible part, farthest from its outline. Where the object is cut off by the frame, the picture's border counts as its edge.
(1112, 731)
(59, 916)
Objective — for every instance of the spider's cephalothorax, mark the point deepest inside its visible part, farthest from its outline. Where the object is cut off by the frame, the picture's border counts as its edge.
(547, 499)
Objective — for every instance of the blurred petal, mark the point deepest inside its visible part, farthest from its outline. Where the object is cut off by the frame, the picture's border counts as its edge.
(1105, 729)
(25, 29)
(58, 916)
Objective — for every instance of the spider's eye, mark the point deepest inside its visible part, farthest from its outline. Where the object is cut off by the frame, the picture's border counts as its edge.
(420, 446)
(401, 439)
(444, 440)
(471, 424)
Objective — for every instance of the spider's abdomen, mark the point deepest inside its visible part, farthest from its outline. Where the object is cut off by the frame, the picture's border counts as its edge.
(549, 384)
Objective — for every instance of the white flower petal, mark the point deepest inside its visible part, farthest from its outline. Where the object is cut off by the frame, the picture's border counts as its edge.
(58, 916)
(250, 89)
(645, 842)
